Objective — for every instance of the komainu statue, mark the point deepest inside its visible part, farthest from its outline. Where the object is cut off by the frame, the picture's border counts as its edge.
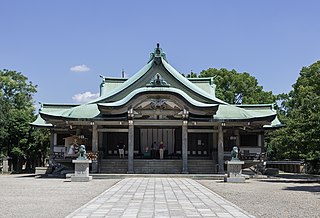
(235, 153)
(82, 153)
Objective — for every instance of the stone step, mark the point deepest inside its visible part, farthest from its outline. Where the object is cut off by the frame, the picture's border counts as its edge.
(157, 166)
(191, 176)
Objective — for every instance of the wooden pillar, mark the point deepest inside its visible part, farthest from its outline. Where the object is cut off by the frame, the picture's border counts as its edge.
(184, 146)
(94, 138)
(260, 140)
(214, 150)
(53, 141)
(130, 146)
(220, 149)
(100, 141)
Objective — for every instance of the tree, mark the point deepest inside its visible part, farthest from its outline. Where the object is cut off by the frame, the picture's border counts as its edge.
(38, 147)
(16, 112)
(238, 88)
(300, 139)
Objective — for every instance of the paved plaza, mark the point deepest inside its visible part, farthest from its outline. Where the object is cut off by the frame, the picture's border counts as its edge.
(158, 197)
(289, 195)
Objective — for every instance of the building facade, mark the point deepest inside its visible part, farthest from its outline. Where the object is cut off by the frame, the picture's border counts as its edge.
(157, 105)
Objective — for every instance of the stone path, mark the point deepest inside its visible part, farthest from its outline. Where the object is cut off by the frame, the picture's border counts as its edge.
(159, 197)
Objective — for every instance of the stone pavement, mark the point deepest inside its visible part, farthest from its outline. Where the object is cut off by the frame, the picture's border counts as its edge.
(159, 197)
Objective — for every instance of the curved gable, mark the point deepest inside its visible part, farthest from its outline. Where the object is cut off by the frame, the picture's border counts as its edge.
(145, 96)
(158, 66)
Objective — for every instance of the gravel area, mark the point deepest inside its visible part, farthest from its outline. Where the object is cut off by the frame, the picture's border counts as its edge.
(290, 196)
(27, 196)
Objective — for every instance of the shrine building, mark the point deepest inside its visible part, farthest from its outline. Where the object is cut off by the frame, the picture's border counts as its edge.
(157, 104)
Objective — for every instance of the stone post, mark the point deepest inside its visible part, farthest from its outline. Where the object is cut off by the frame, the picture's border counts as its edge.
(5, 165)
(185, 146)
(220, 149)
(130, 146)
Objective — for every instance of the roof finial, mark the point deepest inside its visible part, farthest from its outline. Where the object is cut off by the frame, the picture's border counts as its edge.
(158, 45)
(123, 73)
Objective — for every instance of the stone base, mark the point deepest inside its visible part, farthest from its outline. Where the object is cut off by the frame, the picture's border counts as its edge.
(234, 170)
(81, 172)
(81, 178)
(43, 170)
(235, 179)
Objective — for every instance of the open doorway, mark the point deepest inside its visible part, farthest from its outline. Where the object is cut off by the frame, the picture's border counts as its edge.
(151, 138)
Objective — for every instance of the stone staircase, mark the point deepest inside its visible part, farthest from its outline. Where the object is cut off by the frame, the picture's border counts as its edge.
(142, 166)
(113, 166)
(202, 166)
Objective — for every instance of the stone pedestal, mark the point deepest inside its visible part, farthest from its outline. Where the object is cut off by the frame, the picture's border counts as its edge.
(234, 170)
(81, 171)
(43, 170)
(5, 166)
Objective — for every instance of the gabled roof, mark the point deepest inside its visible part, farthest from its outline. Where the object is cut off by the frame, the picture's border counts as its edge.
(158, 65)
(158, 76)
(157, 90)
(192, 104)
(39, 122)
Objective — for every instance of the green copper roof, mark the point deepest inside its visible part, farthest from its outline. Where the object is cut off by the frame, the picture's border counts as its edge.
(205, 83)
(274, 124)
(86, 111)
(236, 112)
(157, 89)
(124, 85)
(160, 77)
(226, 112)
(144, 77)
(39, 122)
(109, 84)
(189, 85)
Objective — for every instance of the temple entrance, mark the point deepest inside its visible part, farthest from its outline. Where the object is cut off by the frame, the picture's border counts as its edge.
(150, 139)
(200, 145)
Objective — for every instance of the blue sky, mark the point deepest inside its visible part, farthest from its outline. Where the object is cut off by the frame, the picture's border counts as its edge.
(50, 42)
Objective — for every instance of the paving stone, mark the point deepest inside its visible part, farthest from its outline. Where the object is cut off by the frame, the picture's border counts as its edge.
(159, 197)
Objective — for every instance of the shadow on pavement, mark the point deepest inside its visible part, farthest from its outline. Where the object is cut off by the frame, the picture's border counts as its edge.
(24, 175)
(21, 176)
(275, 180)
(315, 188)
(292, 178)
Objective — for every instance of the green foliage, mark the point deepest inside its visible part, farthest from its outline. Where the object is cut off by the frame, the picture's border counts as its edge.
(301, 108)
(238, 88)
(16, 112)
(17, 151)
(16, 109)
(16, 91)
(38, 148)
